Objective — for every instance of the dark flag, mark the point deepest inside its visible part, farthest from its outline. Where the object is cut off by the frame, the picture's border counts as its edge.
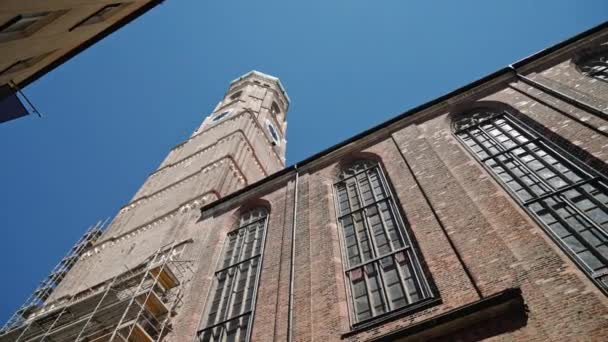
(10, 105)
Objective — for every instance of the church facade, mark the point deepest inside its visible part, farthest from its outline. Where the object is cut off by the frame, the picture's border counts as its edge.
(480, 215)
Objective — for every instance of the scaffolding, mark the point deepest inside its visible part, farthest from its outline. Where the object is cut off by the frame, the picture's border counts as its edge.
(37, 299)
(136, 305)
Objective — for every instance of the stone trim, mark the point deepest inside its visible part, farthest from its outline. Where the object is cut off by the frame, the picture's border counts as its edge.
(231, 118)
(226, 137)
(233, 167)
(183, 208)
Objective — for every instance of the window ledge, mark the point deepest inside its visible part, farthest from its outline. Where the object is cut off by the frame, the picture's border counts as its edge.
(391, 316)
(500, 304)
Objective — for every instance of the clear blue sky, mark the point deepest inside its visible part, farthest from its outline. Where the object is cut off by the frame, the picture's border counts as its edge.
(113, 112)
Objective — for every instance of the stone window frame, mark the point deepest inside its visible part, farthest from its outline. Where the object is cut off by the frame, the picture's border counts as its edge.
(45, 18)
(554, 195)
(100, 15)
(219, 316)
(409, 252)
(237, 95)
(23, 64)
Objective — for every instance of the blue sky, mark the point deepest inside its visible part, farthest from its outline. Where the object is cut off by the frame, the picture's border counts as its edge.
(113, 112)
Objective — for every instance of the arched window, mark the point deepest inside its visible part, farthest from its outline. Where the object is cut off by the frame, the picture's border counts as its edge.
(595, 65)
(567, 197)
(232, 301)
(382, 270)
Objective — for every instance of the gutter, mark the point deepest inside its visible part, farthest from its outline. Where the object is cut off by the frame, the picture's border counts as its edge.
(503, 71)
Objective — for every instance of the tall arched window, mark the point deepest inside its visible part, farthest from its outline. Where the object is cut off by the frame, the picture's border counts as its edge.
(230, 307)
(595, 66)
(567, 197)
(382, 270)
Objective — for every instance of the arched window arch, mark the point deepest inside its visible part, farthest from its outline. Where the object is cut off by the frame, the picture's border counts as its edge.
(595, 65)
(564, 195)
(381, 268)
(232, 300)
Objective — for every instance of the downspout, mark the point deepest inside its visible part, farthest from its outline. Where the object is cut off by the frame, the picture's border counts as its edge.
(558, 94)
(291, 261)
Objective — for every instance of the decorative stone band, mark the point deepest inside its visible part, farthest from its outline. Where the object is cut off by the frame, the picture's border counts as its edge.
(205, 169)
(238, 134)
(251, 117)
(194, 203)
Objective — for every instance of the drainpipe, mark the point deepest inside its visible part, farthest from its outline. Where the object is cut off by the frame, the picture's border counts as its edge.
(293, 254)
(558, 94)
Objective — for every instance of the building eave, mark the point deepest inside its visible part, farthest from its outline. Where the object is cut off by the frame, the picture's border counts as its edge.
(89, 42)
(504, 72)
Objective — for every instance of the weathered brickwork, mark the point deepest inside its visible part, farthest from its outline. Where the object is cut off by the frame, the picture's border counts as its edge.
(493, 271)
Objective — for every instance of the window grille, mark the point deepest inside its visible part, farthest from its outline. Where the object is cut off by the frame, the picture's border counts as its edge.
(567, 197)
(596, 66)
(231, 305)
(382, 270)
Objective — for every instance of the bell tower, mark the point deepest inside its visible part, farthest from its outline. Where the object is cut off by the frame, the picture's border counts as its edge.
(240, 142)
(148, 254)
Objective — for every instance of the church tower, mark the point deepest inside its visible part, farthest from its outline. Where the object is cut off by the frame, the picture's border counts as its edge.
(239, 143)
(129, 281)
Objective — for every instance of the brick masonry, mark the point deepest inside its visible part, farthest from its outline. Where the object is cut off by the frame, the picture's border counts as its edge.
(474, 240)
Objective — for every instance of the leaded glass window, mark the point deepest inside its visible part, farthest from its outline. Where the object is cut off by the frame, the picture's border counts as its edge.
(567, 197)
(596, 66)
(230, 309)
(382, 270)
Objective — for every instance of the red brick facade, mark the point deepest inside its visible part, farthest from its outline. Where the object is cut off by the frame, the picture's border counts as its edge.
(493, 271)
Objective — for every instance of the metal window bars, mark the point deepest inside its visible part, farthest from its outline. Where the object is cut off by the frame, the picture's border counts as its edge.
(133, 306)
(382, 271)
(230, 307)
(567, 197)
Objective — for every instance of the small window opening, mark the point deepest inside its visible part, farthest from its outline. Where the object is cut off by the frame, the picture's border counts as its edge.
(21, 22)
(236, 95)
(104, 13)
(220, 116)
